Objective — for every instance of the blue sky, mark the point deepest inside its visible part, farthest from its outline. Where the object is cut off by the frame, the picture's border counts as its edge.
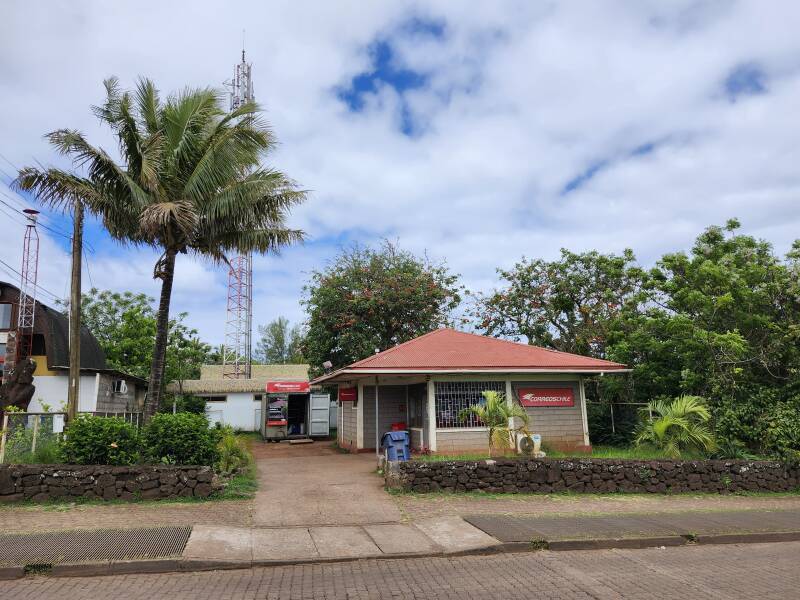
(476, 133)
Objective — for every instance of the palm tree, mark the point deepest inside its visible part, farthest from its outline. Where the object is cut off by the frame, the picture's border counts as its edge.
(496, 414)
(680, 425)
(190, 182)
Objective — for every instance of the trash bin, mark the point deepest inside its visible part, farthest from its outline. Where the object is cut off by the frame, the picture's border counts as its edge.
(397, 445)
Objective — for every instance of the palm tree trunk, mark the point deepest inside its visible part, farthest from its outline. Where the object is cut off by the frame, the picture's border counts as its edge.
(166, 271)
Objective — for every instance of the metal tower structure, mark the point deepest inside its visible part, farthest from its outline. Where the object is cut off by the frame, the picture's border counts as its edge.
(27, 288)
(237, 350)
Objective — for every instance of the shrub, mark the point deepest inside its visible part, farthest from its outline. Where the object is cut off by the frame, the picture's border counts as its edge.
(182, 403)
(100, 441)
(234, 455)
(677, 426)
(782, 437)
(183, 439)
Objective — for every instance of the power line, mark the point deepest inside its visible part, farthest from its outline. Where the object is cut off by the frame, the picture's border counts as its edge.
(12, 271)
(44, 225)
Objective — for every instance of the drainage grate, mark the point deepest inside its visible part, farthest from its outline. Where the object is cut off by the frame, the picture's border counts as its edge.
(90, 545)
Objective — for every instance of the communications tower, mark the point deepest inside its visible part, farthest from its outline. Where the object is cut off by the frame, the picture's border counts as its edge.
(22, 339)
(237, 350)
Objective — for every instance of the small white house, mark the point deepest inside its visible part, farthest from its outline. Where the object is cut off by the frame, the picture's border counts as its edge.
(239, 402)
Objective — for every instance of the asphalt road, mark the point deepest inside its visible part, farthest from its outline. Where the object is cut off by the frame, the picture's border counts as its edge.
(750, 571)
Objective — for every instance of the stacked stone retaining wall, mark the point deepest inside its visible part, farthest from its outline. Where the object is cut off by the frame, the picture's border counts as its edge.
(40, 483)
(587, 475)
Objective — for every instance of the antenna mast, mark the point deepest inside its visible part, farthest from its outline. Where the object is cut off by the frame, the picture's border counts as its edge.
(27, 291)
(237, 350)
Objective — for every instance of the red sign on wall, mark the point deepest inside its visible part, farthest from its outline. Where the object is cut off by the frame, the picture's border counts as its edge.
(348, 394)
(547, 396)
(288, 387)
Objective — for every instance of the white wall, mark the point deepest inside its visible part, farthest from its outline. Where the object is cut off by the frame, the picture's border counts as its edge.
(239, 411)
(52, 390)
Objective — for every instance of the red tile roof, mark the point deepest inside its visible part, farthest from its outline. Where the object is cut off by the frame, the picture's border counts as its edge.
(447, 349)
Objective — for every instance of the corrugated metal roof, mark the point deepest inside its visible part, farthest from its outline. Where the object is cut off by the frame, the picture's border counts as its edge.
(448, 349)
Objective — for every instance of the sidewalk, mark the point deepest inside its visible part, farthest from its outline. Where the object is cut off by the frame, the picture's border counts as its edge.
(644, 529)
(154, 550)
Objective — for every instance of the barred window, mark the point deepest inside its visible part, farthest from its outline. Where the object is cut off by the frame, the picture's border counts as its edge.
(454, 396)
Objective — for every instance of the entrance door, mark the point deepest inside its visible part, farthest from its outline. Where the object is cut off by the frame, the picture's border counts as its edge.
(320, 415)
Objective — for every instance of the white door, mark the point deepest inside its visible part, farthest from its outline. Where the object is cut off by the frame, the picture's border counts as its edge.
(320, 419)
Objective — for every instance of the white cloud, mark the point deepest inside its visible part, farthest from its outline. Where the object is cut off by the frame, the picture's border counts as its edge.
(521, 98)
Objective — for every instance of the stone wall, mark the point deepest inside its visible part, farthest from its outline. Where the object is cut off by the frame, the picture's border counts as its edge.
(593, 476)
(49, 482)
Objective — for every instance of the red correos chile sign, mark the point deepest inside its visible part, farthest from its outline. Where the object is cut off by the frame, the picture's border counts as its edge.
(290, 387)
(547, 396)
(348, 394)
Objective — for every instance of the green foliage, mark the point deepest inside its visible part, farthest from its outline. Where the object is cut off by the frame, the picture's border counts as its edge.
(183, 439)
(125, 327)
(372, 299)
(278, 343)
(782, 431)
(234, 454)
(93, 440)
(677, 426)
(182, 403)
(497, 415)
(566, 304)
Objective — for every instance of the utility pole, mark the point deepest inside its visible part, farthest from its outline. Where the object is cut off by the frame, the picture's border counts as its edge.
(73, 392)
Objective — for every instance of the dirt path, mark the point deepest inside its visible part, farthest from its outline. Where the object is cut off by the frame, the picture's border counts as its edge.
(314, 484)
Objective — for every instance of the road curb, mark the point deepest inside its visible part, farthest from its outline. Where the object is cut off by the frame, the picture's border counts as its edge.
(188, 565)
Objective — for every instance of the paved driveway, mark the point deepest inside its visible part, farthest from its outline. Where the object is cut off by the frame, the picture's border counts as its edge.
(314, 484)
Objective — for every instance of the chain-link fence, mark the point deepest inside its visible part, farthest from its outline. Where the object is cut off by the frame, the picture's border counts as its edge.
(31, 437)
(34, 437)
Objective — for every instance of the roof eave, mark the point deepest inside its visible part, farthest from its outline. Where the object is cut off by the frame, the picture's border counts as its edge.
(485, 370)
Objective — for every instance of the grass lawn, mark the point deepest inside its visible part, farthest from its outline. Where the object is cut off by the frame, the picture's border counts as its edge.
(636, 453)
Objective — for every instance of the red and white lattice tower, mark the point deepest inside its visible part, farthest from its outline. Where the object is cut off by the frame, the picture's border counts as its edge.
(27, 288)
(237, 350)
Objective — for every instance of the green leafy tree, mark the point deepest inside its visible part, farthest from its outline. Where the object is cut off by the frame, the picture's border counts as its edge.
(372, 299)
(721, 322)
(125, 327)
(190, 182)
(677, 426)
(278, 343)
(565, 304)
(500, 419)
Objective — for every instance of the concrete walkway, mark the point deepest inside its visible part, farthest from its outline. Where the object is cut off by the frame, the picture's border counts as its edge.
(439, 536)
(314, 484)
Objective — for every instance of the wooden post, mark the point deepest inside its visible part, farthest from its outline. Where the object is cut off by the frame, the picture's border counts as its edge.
(73, 390)
(3, 438)
(36, 420)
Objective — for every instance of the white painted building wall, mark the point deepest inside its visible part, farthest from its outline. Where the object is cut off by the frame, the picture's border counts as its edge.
(52, 390)
(240, 411)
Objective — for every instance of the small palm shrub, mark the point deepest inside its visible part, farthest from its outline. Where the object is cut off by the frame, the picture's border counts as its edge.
(677, 426)
(496, 414)
(234, 456)
(93, 440)
(181, 439)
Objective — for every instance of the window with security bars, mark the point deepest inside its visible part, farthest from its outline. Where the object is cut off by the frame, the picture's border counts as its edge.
(454, 396)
